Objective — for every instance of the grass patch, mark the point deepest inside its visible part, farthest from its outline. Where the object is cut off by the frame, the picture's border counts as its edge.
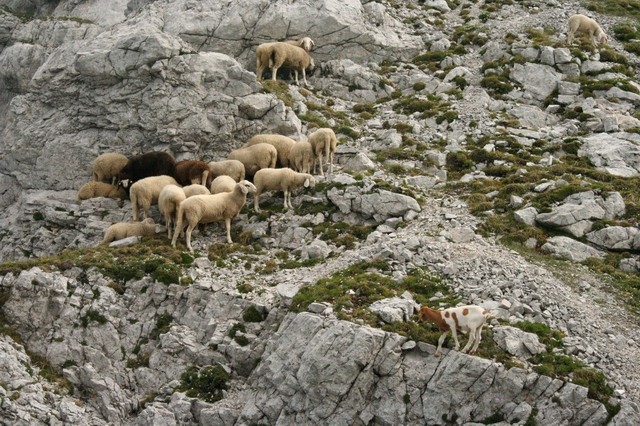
(280, 89)
(121, 264)
(626, 8)
(206, 384)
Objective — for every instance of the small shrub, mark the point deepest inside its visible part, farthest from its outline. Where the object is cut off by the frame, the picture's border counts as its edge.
(167, 273)
(206, 384)
(418, 86)
(252, 314)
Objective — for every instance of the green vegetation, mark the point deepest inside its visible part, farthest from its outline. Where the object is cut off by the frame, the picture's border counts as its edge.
(626, 8)
(431, 106)
(92, 316)
(120, 264)
(280, 89)
(206, 384)
(252, 314)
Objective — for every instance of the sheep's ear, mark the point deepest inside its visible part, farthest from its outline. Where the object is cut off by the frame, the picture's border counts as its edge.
(307, 183)
(313, 44)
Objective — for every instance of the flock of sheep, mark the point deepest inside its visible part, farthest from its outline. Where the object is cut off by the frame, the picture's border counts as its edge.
(190, 192)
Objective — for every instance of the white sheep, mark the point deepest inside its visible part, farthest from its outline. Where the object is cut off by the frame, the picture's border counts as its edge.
(168, 201)
(256, 157)
(285, 180)
(468, 319)
(211, 208)
(107, 166)
(195, 189)
(145, 192)
(583, 24)
(95, 189)
(276, 55)
(301, 157)
(305, 42)
(121, 230)
(223, 184)
(323, 141)
(233, 168)
(282, 144)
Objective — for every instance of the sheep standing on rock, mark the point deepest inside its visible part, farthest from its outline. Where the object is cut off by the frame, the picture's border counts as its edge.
(233, 168)
(168, 201)
(583, 24)
(276, 55)
(223, 184)
(285, 180)
(192, 171)
(149, 164)
(282, 144)
(323, 141)
(145, 192)
(211, 208)
(121, 230)
(301, 157)
(108, 166)
(95, 189)
(256, 157)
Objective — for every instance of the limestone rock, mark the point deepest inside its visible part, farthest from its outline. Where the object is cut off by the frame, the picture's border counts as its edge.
(612, 154)
(518, 343)
(571, 249)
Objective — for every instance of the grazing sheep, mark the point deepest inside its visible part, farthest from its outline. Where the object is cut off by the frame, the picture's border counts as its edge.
(192, 171)
(470, 318)
(108, 166)
(195, 189)
(276, 55)
(285, 180)
(95, 189)
(149, 164)
(168, 201)
(145, 192)
(256, 157)
(583, 24)
(282, 144)
(211, 208)
(121, 230)
(301, 157)
(233, 168)
(223, 184)
(323, 141)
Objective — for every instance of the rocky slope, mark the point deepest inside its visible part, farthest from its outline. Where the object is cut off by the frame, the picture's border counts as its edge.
(443, 109)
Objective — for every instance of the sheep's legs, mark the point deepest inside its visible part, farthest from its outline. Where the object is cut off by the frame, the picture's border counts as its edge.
(167, 220)
(288, 199)
(440, 342)
(304, 77)
(321, 166)
(331, 164)
(189, 229)
(274, 71)
(256, 203)
(227, 223)
(286, 193)
(296, 74)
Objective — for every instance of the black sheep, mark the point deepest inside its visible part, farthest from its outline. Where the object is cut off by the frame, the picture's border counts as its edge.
(148, 164)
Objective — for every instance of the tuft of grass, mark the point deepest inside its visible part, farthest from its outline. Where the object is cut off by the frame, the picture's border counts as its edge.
(280, 89)
(252, 314)
(206, 384)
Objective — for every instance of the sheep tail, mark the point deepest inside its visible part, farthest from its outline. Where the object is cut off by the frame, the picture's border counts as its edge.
(488, 315)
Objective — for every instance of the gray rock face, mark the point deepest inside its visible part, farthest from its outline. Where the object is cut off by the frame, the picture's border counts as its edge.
(614, 237)
(519, 343)
(395, 309)
(379, 205)
(571, 249)
(536, 79)
(347, 29)
(326, 367)
(611, 154)
(577, 209)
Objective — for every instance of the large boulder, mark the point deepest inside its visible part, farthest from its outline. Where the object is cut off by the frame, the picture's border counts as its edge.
(612, 154)
(570, 249)
(517, 342)
(537, 80)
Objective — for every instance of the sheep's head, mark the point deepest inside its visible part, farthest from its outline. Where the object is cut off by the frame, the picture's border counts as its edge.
(125, 184)
(247, 186)
(307, 44)
(310, 182)
(603, 39)
(148, 221)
